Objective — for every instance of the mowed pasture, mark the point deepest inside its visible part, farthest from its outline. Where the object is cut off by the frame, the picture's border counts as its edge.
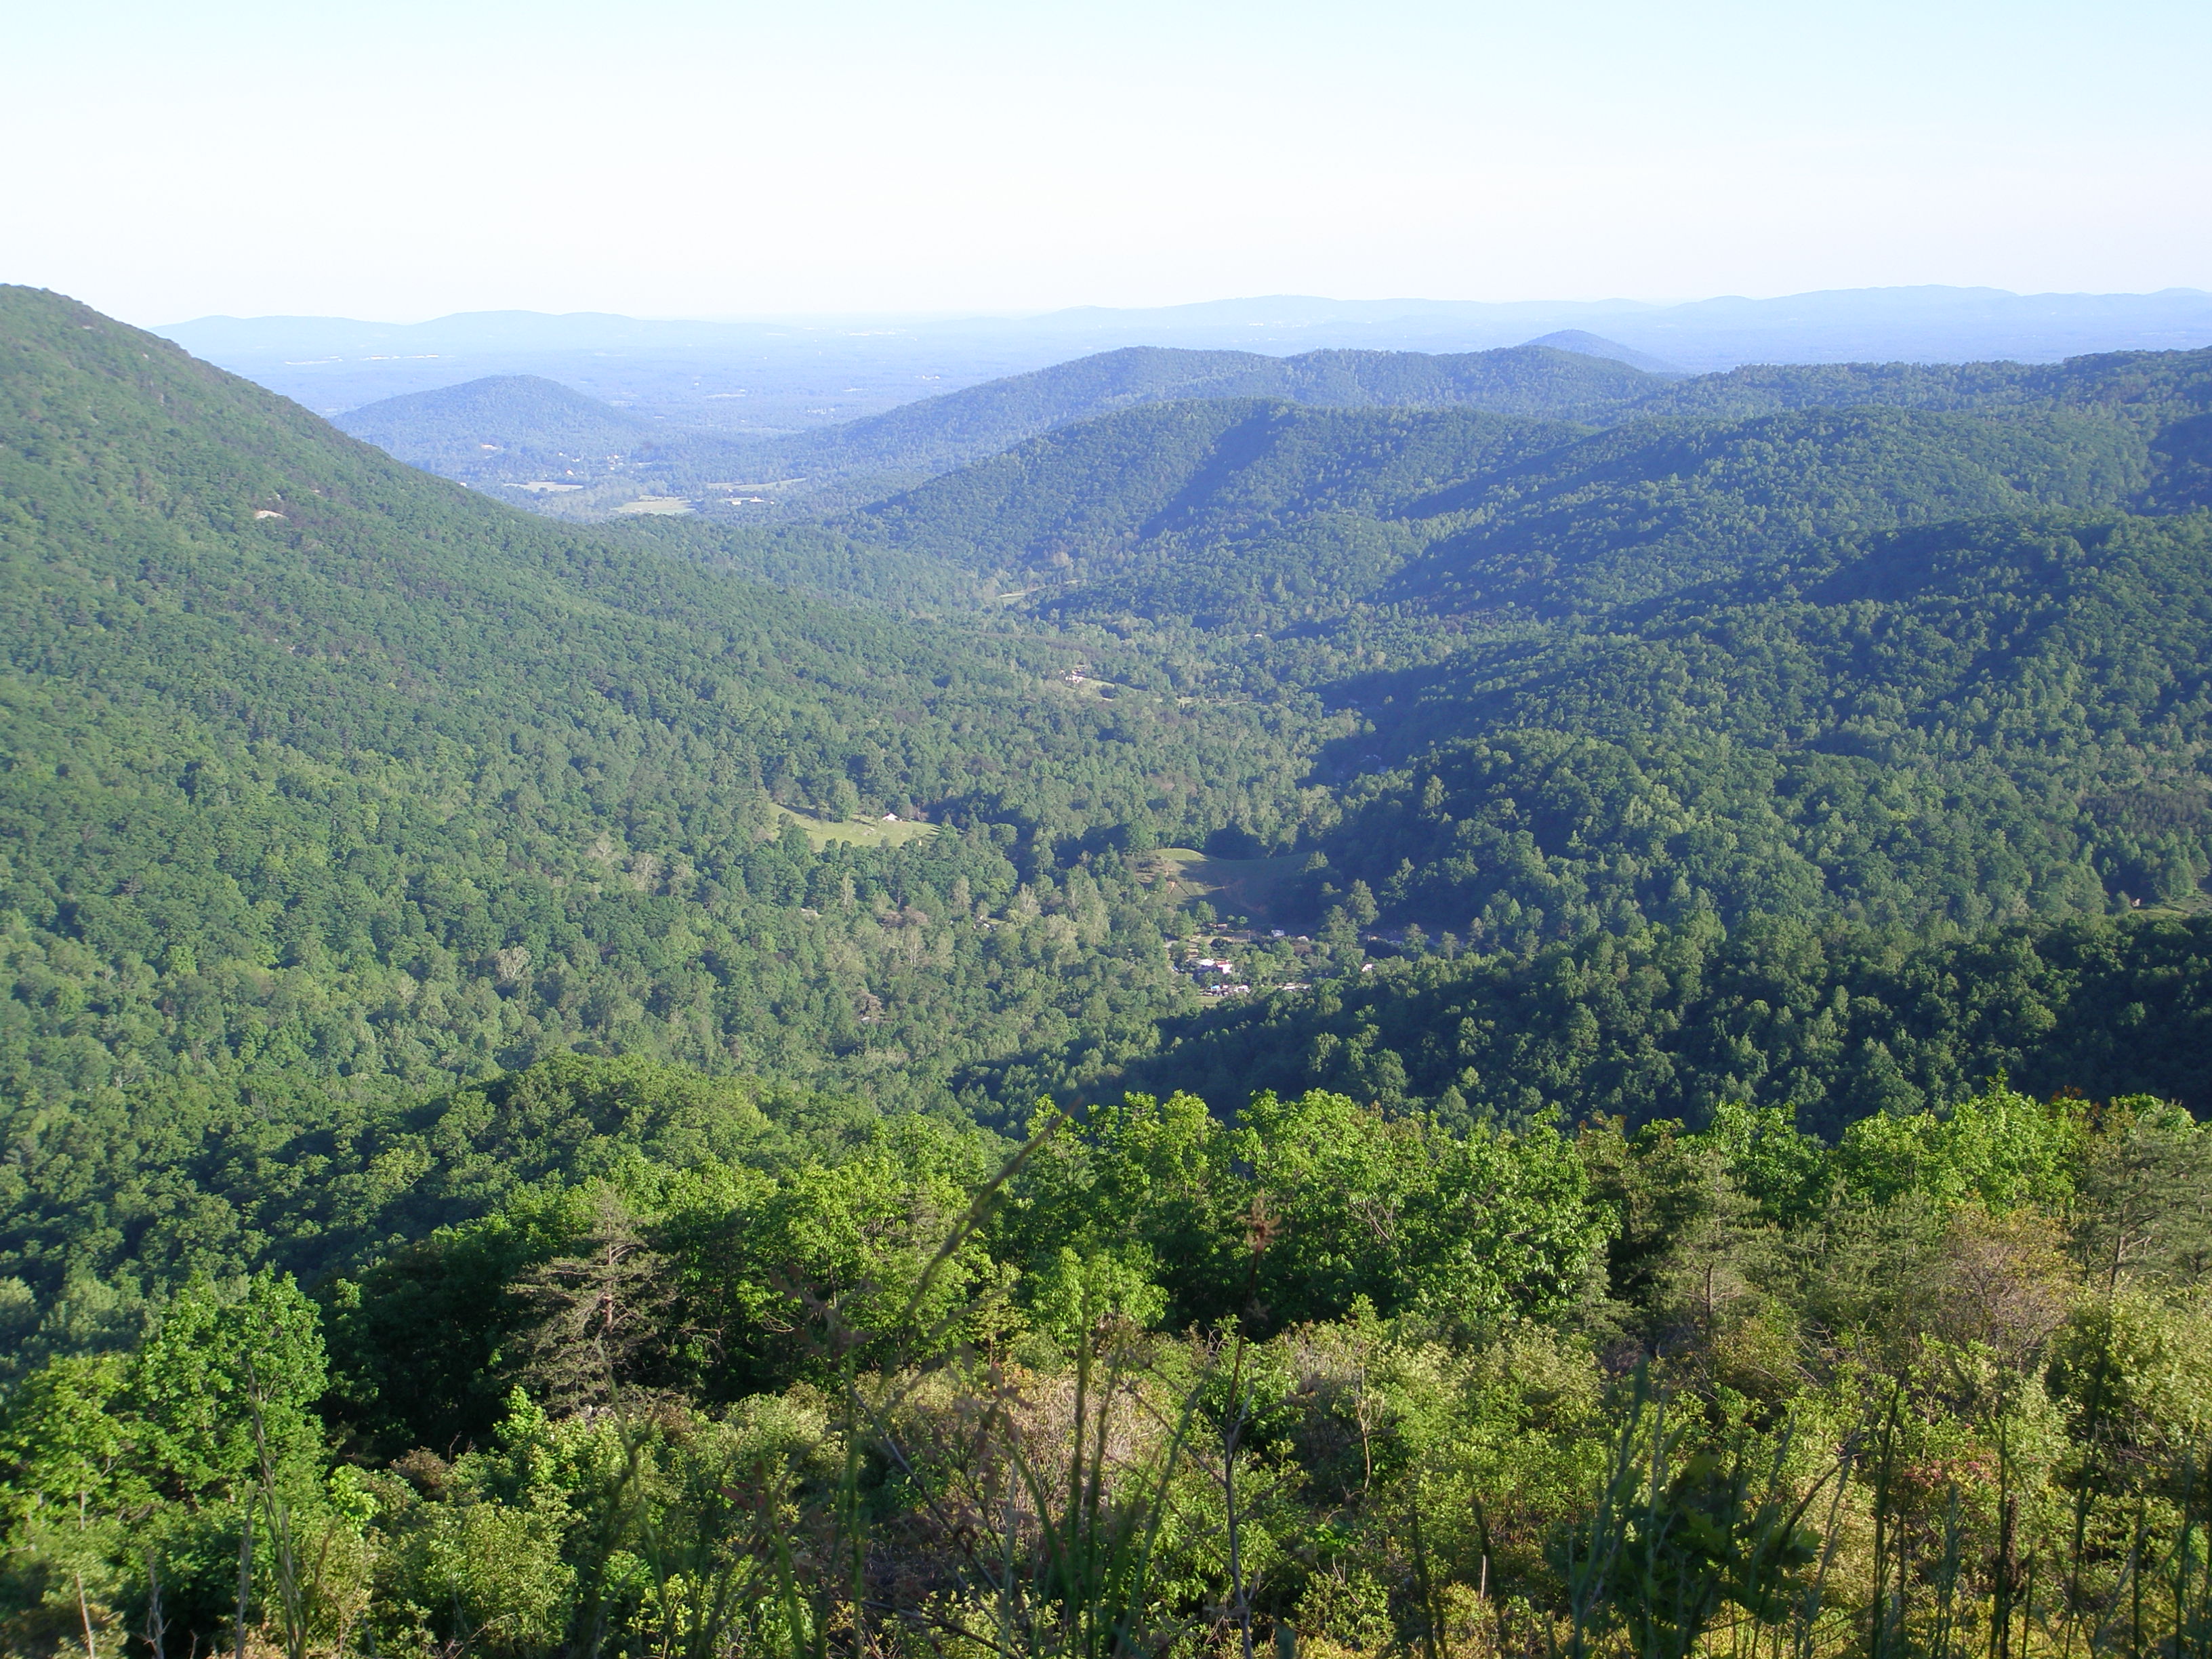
(859, 832)
(1233, 886)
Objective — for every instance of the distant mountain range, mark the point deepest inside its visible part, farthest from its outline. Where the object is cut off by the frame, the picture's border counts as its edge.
(1926, 324)
(526, 432)
(768, 375)
(552, 447)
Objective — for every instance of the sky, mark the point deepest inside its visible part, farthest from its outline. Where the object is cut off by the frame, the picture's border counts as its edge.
(400, 160)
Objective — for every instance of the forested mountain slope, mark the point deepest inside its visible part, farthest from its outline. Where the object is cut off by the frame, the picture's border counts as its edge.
(1086, 502)
(1652, 506)
(962, 427)
(1892, 665)
(318, 763)
(1792, 774)
(2150, 388)
(1998, 710)
(1964, 720)
(1685, 834)
(1269, 513)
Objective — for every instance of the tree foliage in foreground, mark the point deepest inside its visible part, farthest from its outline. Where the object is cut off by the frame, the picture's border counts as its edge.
(1317, 1377)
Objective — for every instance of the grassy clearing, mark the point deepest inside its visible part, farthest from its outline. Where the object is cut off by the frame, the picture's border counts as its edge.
(860, 832)
(1088, 687)
(1240, 886)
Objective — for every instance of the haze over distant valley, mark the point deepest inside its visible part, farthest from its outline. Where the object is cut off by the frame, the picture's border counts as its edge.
(582, 415)
(791, 373)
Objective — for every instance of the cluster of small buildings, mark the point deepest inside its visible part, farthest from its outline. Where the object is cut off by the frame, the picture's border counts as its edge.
(1216, 965)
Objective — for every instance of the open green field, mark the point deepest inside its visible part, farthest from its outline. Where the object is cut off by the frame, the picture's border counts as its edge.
(860, 832)
(1239, 886)
(1088, 687)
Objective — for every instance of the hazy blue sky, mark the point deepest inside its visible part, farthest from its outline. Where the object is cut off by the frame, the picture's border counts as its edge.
(399, 160)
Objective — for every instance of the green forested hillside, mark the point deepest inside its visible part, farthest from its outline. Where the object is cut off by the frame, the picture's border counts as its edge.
(1828, 1024)
(1693, 1149)
(317, 763)
(1269, 514)
(2148, 388)
(1655, 505)
(126, 1197)
(1827, 662)
(1670, 666)
(1964, 722)
(1532, 380)
(1170, 482)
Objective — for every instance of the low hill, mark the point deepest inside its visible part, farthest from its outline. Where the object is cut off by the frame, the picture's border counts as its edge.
(536, 442)
(504, 428)
(1596, 345)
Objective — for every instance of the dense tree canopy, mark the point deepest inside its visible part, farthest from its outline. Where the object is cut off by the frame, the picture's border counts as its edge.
(646, 1090)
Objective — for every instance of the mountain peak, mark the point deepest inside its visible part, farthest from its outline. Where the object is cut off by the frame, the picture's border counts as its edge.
(1587, 345)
